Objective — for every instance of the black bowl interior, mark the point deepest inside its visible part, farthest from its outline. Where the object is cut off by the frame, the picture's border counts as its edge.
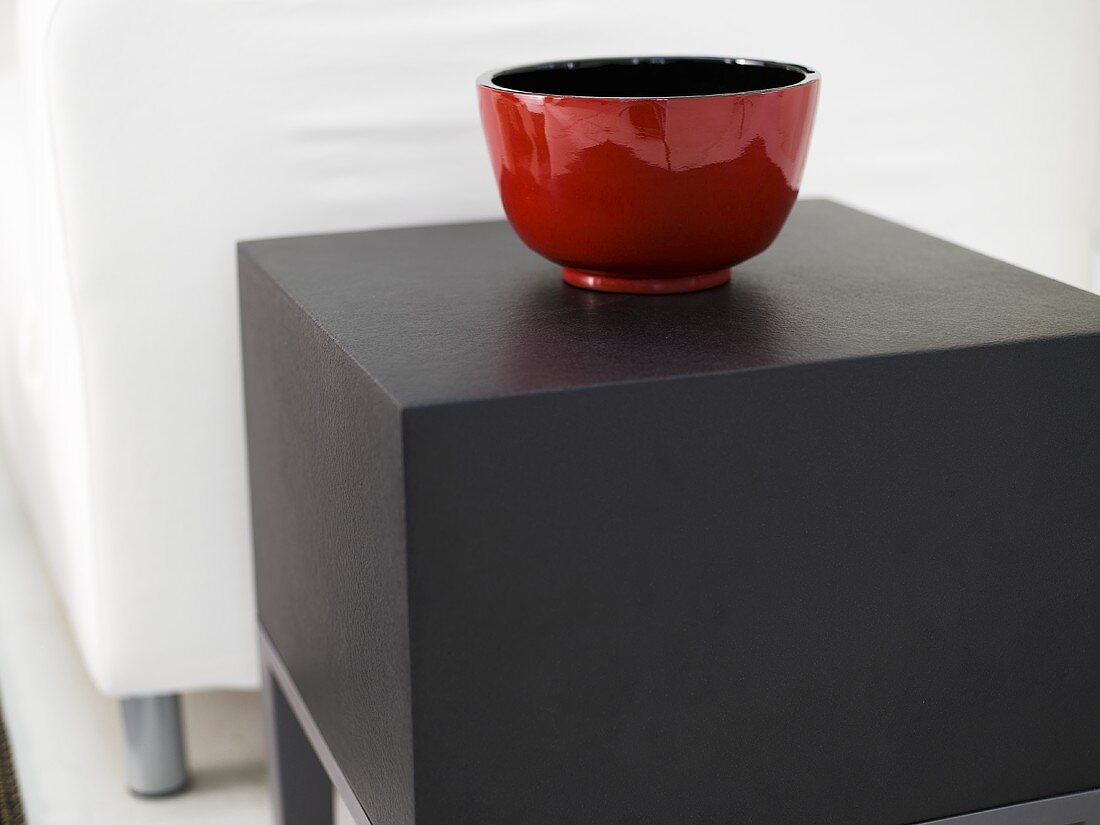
(649, 77)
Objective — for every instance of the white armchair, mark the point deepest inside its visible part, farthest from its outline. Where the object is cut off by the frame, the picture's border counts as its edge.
(143, 138)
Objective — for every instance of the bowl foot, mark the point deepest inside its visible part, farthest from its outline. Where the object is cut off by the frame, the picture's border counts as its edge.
(641, 285)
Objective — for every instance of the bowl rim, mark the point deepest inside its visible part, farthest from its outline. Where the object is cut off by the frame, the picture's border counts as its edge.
(486, 79)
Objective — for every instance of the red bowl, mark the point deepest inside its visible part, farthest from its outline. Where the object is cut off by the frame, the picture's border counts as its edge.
(648, 174)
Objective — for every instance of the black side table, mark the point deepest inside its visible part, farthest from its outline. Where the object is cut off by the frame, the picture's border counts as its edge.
(822, 546)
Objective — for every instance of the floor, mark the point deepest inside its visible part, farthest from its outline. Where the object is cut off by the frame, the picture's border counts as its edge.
(66, 738)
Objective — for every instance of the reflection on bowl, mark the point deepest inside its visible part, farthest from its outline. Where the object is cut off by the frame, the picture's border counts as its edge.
(648, 175)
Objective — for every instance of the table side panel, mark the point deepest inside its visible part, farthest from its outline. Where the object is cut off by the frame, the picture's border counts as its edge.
(858, 593)
(328, 519)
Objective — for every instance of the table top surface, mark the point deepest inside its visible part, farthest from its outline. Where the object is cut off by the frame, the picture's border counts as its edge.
(462, 312)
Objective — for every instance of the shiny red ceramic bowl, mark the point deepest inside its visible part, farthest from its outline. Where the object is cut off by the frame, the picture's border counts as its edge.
(648, 174)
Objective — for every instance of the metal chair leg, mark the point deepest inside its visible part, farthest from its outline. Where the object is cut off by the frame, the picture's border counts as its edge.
(155, 763)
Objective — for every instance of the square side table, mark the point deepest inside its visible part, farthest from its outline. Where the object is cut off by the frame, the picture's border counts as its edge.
(821, 546)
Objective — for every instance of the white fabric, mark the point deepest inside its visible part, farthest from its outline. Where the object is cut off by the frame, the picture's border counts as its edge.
(41, 396)
(162, 131)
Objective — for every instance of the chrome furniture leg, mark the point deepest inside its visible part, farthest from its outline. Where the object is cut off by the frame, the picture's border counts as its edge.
(155, 764)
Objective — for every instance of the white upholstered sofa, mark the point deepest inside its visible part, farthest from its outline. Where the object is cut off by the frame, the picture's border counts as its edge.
(140, 139)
